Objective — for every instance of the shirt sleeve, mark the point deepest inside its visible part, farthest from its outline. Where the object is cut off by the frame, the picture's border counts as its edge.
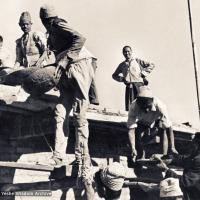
(133, 116)
(116, 75)
(182, 161)
(146, 67)
(40, 41)
(19, 54)
(165, 121)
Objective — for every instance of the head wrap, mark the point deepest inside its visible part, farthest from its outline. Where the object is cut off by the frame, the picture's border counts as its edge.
(145, 91)
(170, 188)
(47, 11)
(113, 176)
(25, 18)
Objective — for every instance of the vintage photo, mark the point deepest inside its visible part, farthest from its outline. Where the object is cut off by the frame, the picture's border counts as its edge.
(99, 99)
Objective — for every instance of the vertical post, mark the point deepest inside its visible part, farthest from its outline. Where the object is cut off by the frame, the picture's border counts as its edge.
(194, 56)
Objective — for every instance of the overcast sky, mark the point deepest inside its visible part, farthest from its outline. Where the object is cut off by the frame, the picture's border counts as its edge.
(158, 31)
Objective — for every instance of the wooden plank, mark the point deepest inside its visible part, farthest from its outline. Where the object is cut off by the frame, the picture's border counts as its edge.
(26, 166)
(65, 170)
(66, 183)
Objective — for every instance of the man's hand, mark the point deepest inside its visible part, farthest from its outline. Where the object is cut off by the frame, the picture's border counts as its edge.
(125, 81)
(62, 64)
(161, 165)
(58, 72)
(146, 82)
(133, 155)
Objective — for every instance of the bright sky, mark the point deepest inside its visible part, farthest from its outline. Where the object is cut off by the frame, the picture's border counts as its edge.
(157, 30)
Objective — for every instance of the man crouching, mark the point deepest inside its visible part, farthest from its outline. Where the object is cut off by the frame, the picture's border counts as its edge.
(144, 113)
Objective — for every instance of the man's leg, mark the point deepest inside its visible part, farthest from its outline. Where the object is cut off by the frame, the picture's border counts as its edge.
(164, 141)
(138, 139)
(171, 142)
(135, 136)
(81, 147)
(131, 135)
(62, 111)
(93, 92)
(81, 130)
(129, 95)
(93, 95)
(167, 138)
(136, 87)
(83, 73)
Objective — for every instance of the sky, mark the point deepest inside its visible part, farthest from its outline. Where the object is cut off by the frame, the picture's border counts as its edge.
(157, 30)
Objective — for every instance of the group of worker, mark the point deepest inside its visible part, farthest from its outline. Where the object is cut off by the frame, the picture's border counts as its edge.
(75, 68)
(147, 115)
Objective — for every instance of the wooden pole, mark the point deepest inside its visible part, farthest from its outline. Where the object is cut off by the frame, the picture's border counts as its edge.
(194, 56)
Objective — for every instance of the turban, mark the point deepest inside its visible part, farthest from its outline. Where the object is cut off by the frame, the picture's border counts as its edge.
(47, 11)
(25, 18)
(170, 188)
(113, 176)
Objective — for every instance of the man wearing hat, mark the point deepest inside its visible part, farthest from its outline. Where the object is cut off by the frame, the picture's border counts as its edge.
(146, 112)
(75, 70)
(170, 189)
(132, 72)
(31, 46)
(108, 182)
(190, 180)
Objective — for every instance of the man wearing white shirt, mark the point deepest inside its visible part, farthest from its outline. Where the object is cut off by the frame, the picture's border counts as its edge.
(144, 113)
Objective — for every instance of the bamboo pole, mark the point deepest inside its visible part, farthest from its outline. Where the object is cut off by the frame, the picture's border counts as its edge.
(194, 56)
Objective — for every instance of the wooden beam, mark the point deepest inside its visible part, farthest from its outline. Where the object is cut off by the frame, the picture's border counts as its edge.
(26, 166)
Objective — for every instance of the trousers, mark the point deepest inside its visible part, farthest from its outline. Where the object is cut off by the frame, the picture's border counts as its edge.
(131, 93)
(72, 98)
(93, 92)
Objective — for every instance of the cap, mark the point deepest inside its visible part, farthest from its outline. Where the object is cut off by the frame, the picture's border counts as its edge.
(170, 188)
(47, 11)
(25, 18)
(113, 176)
(145, 91)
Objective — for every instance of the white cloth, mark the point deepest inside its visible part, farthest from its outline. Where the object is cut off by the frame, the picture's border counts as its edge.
(158, 112)
(5, 58)
(170, 188)
(113, 176)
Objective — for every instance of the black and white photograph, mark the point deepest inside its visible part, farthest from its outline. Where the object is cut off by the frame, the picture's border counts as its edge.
(100, 100)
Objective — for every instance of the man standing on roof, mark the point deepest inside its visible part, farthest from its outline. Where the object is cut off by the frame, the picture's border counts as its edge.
(75, 70)
(31, 46)
(145, 112)
(132, 72)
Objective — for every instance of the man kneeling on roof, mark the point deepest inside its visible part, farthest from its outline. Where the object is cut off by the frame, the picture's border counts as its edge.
(144, 113)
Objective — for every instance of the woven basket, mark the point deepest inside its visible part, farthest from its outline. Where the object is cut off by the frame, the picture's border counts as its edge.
(40, 81)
